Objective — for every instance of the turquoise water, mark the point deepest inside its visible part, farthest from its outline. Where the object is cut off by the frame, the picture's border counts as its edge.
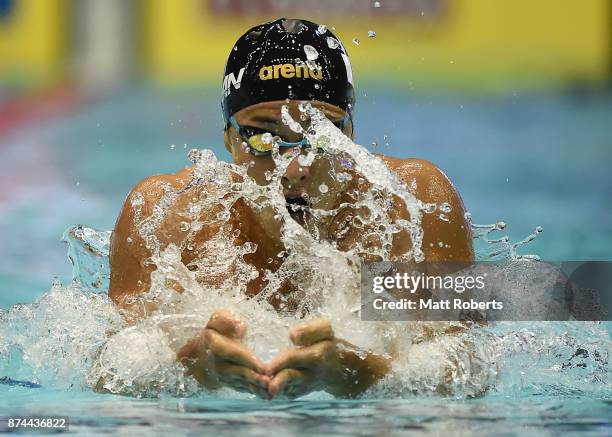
(541, 415)
(528, 160)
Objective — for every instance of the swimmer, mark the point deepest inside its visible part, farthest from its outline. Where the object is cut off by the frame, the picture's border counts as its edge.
(267, 69)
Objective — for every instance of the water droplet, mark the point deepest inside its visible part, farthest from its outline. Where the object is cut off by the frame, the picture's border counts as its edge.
(267, 138)
(377, 4)
(306, 160)
(356, 41)
(129, 240)
(317, 86)
(172, 146)
(445, 208)
(321, 29)
(311, 52)
(371, 33)
(323, 188)
(332, 43)
(428, 208)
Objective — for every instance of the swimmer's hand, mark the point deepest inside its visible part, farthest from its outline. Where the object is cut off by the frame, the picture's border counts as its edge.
(216, 357)
(322, 362)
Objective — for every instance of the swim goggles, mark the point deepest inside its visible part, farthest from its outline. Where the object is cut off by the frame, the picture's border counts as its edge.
(260, 142)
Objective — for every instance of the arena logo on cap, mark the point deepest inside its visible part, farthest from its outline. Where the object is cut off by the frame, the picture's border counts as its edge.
(289, 71)
(230, 80)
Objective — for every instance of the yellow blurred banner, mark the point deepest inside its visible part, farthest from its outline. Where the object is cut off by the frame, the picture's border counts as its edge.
(33, 43)
(473, 43)
(478, 44)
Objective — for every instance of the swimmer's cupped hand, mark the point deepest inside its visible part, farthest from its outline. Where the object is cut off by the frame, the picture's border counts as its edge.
(319, 361)
(217, 357)
(312, 365)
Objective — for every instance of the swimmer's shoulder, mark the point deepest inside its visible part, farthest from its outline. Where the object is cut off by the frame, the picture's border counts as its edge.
(128, 250)
(150, 189)
(424, 179)
(444, 239)
(139, 204)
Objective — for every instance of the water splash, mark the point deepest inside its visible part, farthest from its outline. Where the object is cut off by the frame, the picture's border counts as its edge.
(499, 248)
(332, 43)
(54, 341)
(311, 53)
(88, 253)
(74, 338)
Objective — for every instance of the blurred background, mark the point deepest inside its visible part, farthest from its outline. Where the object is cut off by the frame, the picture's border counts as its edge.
(510, 98)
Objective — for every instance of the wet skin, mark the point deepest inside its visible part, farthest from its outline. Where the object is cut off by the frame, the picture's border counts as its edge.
(318, 360)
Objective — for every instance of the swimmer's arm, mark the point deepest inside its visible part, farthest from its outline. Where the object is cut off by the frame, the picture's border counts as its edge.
(359, 370)
(129, 259)
(129, 274)
(446, 238)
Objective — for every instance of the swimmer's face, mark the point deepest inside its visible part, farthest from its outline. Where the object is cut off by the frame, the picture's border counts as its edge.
(301, 184)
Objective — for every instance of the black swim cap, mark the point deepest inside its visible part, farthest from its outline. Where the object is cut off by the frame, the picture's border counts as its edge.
(287, 59)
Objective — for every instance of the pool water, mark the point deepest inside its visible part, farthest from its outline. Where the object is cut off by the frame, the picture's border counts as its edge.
(530, 160)
(536, 415)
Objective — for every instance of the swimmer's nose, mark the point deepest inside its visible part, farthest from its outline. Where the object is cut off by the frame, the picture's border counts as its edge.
(295, 175)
